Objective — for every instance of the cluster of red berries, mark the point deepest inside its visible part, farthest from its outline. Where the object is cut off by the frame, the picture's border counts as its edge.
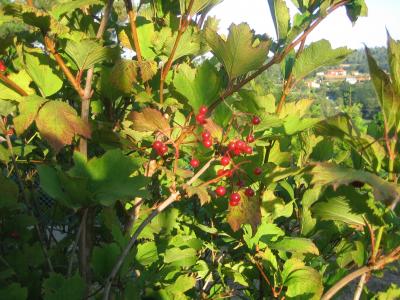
(201, 116)
(160, 148)
(234, 148)
(3, 67)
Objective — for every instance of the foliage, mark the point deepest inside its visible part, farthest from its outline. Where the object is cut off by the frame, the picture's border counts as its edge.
(135, 165)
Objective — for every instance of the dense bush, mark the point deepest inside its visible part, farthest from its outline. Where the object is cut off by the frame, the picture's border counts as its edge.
(134, 165)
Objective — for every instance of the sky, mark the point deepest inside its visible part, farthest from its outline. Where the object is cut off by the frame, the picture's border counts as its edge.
(336, 28)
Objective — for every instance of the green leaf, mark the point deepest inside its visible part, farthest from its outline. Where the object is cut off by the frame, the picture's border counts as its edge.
(256, 103)
(200, 86)
(87, 53)
(149, 120)
(123, 75)
(104, 259)
(28, 109)
(41, 69)
(393, 292)
(147, 253)
(69, 6)
(247, 212)
(295, 245)
(23, 80)
(111, 177)
(389, 100)
(394, 62)
(281, 17)
(57, 287)
(329, 174)
(68, 190)
(355, 9)
(14, 291)
(344, 205)
(302, 282)
(316, 55)
(58, 122)
(182, 284)
(9, 192)
(239, 53)
(180, 257)
(197, 6)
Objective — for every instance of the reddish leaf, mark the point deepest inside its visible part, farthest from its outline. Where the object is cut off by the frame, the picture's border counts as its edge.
(247, 212)
(28, 109)
(149, 120)
(201, 192)
(58, 123)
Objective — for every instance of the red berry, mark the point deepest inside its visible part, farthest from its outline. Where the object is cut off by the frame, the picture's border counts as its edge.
(240, 144)
(220, 172)
(237, 151)
(256, 120)
(240, 183)
(220, 191)
(231, 146)
(10, 132)
(250, 138)
(162, 150)
(206, 135)
(248, 150)
(15, 235)
(249, 192)
(157, 145)
(225, 160)
(228, 173)
(201, 119)
(203, 110)
(234, 199)
(195, 163)
(257, 171)
(3, 68)
(207, 143)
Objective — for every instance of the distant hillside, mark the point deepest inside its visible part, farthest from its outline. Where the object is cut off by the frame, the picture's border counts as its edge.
(358, 59)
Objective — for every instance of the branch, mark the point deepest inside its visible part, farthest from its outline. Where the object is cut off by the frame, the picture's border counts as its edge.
(87, 93)
(171, 199)
(182, 28)
(76, 242)
(384, 260)
(132, 19)
(277, 58)
(50, 46)
(12, 85)
(360, 287)
(290, 83)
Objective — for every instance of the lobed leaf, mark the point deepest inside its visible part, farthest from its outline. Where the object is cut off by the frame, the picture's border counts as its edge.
(239, 53)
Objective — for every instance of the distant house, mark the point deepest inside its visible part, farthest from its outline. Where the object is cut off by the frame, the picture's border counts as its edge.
(335, 74)
(351, 80)
(313, 84)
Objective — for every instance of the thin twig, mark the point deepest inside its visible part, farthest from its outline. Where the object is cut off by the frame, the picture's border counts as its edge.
(380, 263)
(51, 47)
(171, 199)
(182, 28)
(87, 92)
(12, 85)
(360, 287)
(76, 242)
